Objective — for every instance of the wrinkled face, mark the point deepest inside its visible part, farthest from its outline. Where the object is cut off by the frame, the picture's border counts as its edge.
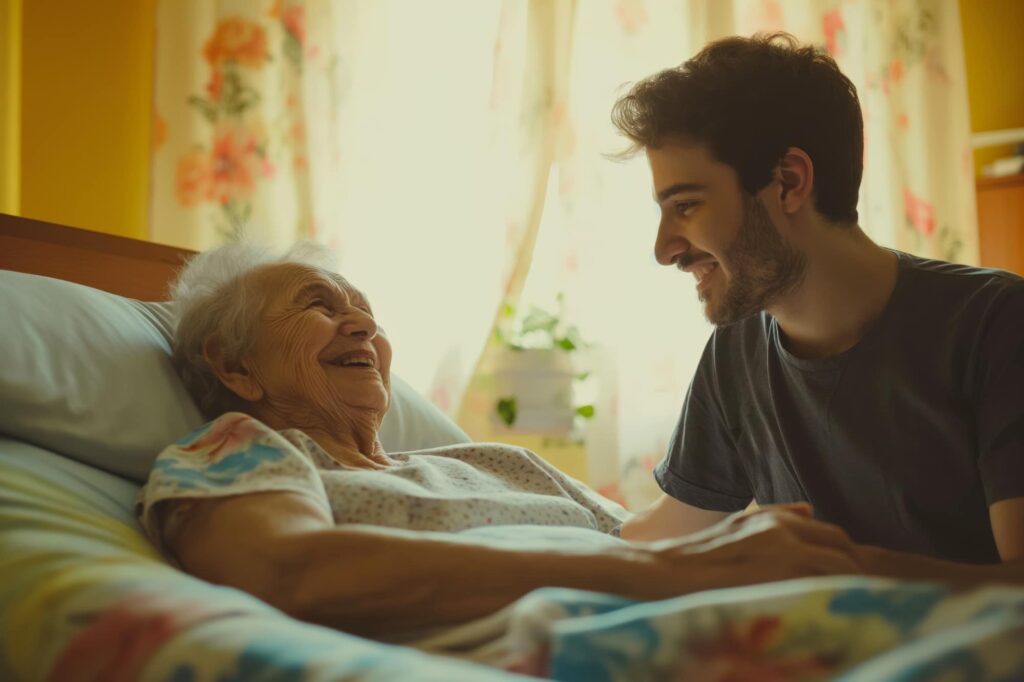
(712, 228)
(318, 349)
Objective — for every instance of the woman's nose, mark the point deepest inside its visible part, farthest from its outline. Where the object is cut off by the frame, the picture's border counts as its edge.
(359, 324)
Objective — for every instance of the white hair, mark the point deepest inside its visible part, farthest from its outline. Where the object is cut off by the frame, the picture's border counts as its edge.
(213, 299)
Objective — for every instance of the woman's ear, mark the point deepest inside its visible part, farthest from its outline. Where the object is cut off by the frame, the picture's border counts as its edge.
(237, 378)
(795, 173)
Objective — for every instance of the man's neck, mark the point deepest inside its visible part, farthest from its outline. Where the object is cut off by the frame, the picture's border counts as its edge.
(848, 283)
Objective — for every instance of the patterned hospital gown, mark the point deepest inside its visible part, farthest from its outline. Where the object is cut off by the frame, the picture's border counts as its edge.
(453, 488)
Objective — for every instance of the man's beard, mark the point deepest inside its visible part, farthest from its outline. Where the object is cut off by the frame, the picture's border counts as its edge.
(762, 267)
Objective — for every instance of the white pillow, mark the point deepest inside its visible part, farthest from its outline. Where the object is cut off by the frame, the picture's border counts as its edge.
(88, 374)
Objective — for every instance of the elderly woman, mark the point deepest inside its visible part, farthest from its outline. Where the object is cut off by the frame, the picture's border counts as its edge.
(287, 493)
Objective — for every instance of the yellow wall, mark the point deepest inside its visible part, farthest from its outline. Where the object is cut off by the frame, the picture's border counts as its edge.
(87, 75)
(10, 104)
(993, 33)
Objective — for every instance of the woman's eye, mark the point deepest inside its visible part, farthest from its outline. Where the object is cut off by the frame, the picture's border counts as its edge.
(318, 303)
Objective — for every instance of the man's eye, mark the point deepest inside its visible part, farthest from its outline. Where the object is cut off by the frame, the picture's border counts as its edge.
(318, 303)
(686, 207)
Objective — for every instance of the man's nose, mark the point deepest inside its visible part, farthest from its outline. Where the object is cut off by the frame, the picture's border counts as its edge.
(669, 244)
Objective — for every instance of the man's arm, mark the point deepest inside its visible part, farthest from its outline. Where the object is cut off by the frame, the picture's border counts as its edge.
(668, 518)
(1007, 518)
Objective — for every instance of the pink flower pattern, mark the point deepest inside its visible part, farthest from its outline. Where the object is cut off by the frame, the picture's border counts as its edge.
(920, 213)
(835, 31)
(744, 652)
(118, 642)
(226, 434)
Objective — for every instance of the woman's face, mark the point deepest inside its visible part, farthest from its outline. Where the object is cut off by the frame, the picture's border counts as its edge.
(318, 352)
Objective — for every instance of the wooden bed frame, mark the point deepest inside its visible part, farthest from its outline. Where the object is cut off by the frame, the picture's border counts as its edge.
(129, 267)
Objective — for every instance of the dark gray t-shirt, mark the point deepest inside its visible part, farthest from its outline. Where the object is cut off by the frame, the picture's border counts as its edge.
(904, 440)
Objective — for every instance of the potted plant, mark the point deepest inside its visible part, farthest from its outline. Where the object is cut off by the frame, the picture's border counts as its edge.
(537, 370)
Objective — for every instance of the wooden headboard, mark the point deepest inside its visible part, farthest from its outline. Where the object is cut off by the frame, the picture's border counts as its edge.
(128, 267)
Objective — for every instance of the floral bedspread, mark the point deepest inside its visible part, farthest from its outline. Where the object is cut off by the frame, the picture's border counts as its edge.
(850, 629)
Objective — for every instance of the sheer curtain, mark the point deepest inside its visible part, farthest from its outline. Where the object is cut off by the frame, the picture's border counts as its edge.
(434, 144)
(414, 138)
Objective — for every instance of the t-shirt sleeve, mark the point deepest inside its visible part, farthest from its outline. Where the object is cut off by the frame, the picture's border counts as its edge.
(1000, 401)
(233, 455)
(702, 467)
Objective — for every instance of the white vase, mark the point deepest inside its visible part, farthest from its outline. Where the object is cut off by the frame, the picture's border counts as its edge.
(541, 381)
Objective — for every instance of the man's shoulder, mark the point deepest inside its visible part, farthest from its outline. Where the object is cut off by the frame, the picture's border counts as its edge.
(959, 292)
(958, 277)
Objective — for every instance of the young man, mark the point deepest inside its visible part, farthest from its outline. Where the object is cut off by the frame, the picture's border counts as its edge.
(884, 389)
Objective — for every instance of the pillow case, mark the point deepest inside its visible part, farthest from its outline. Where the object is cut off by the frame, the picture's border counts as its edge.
(88, 374)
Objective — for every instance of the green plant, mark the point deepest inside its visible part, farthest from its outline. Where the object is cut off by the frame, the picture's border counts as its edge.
(538, 329)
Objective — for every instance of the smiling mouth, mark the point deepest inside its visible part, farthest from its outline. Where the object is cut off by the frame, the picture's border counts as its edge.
(352, 364)
(353, 361)
(704, 270)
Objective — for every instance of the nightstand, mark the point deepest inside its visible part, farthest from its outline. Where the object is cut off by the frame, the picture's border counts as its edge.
(1001, 222)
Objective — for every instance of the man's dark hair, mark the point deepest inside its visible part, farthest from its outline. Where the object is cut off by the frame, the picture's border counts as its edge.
(749, 100)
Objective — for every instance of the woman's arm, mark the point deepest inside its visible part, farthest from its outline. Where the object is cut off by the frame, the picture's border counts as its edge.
(283, 548)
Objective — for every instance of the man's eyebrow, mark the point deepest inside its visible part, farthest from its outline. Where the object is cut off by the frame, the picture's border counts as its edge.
(677, 188)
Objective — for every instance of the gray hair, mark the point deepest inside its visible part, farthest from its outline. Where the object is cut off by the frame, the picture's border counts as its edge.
(213, 299)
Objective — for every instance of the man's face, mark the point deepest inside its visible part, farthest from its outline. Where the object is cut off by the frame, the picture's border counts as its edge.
(725, 237)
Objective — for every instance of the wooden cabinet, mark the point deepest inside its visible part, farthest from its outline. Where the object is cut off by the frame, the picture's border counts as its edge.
(1001, 222)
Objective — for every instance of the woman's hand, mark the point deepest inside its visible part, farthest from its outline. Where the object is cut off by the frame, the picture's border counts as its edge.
(769, 544)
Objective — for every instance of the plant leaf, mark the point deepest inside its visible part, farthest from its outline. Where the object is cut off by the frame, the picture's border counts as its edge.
(506, 409)
(538, 320)
(208, 110)
(585, 411)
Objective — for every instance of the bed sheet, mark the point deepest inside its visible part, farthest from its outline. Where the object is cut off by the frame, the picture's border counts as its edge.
(84, 596)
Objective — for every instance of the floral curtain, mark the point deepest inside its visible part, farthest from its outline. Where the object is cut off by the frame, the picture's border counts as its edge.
(414, 138)
(454, 155)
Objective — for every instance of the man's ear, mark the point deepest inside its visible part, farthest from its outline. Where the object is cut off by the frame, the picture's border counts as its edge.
(237, 378)
(795, 173)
